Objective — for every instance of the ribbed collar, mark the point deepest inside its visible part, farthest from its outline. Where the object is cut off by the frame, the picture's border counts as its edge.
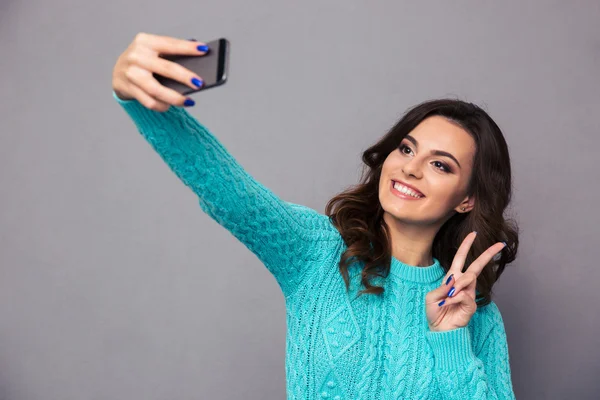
(413, 273)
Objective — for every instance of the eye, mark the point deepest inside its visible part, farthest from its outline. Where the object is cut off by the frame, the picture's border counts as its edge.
(402, 147)
(444, 167)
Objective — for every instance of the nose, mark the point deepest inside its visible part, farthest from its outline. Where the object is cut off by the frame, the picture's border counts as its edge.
(412, 168)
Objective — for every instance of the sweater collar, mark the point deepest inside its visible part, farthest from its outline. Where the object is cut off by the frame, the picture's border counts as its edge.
(413, 273)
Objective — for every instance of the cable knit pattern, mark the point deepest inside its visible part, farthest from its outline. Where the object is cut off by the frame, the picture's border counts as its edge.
(338, 346)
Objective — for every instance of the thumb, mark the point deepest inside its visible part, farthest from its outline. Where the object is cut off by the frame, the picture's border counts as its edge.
(442, 291)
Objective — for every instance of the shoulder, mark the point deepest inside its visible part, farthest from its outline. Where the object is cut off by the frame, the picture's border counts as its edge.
(489, 314)
(314, 221)
(486, 319)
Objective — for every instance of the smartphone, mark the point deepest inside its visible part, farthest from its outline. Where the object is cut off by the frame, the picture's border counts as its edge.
(212, 67)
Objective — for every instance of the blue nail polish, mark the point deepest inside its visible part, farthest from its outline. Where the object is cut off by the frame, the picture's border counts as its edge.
(197, 82)
(504, 244)
(451, 292)
(189, 102)
(449, 279)
(441, 303)
(202, 47)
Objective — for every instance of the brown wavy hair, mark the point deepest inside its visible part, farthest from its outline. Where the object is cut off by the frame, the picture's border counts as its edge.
(358, 215)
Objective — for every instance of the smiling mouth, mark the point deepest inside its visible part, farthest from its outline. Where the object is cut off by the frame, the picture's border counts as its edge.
(404, 192)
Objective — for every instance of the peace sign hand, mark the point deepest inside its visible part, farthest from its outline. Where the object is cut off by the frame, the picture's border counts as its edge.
(453, 304)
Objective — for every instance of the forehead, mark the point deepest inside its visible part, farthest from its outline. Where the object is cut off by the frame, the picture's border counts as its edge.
(437, 133)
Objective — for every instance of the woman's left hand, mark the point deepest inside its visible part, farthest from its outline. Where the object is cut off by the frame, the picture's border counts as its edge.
(458, 305)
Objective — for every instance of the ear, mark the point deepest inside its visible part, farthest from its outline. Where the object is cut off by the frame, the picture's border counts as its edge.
(468, 203)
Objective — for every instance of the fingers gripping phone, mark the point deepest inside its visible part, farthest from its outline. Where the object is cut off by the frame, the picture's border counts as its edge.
(212, 67)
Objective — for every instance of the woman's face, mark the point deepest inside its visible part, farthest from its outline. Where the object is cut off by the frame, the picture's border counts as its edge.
(441, 180)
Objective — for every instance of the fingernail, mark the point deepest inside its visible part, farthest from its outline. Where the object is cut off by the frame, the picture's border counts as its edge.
(451, 292)
(504, 244)
(189, 102)
(441, 303)
(475, 232)
(197, 82)
(202, 47)
(449, 279)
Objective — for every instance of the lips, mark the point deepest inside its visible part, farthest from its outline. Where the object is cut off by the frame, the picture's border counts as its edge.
(409, 186)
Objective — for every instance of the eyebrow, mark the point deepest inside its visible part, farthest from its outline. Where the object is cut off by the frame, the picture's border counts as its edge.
(434, 152)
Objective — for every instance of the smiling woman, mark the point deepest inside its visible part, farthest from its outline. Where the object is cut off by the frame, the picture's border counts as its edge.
(440, 173)
(439, 179)
(455, 157)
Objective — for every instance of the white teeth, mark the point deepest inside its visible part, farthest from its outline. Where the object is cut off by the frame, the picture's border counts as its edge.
(405, 190)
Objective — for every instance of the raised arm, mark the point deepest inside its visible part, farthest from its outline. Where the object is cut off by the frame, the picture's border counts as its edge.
(283, 235)
(286, 237)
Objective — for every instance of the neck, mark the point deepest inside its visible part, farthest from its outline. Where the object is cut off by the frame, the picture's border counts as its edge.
(411, 244)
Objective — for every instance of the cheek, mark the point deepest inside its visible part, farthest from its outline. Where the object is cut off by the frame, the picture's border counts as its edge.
(393, 161)
(384, 176)
(445, 193)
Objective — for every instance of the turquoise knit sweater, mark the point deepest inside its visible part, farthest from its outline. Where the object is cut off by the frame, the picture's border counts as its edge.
(337, 346)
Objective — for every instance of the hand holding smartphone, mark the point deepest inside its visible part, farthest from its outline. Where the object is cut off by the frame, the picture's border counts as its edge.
(211, 67)
(160, 71)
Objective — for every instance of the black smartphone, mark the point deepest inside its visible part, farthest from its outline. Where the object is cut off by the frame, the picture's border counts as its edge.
(212, 67)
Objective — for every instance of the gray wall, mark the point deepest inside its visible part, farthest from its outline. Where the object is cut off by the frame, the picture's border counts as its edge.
(115, 285)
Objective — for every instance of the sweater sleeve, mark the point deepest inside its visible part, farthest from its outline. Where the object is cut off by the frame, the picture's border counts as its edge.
(465, 373)
(285, 236)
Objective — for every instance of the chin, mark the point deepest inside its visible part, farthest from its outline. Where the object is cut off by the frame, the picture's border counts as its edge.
(399, 212)
(407, 214)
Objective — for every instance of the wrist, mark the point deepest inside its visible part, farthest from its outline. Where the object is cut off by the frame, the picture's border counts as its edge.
(122, 96)
(452, 349)
(443, 329)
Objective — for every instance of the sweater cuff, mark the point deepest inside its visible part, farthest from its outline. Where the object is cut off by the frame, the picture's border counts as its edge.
(142, 115)
(120, 100)
(451, 349)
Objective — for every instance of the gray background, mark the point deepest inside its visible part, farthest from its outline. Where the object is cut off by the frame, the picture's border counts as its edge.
(115, 285)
